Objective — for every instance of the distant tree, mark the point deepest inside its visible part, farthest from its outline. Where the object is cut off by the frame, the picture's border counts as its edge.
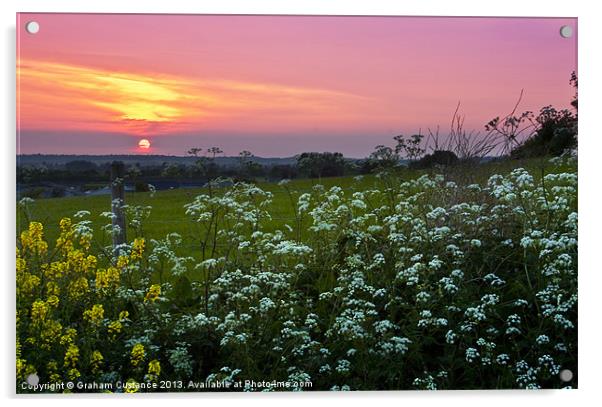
(133, 172)
(200, 164)
(283, 171)
(383, 157)
(81, 166)
(317, 165)
(172, 170)
(334, 165)
(27, 174)
(367, 166)
(436, 158)
(205, 165)
(248, 167)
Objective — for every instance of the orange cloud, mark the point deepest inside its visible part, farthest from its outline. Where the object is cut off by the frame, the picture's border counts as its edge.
(61, 96)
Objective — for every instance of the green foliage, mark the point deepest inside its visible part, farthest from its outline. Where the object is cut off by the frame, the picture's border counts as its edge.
(376, 283)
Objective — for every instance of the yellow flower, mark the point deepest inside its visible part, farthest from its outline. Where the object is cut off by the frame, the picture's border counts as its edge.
(78, 288)
(107, 279)
(131, 386)
(53, 301)
(21, 368)
(52, 368)
(51, 331)
(20, 362)
(154, 367)
(21, 264)
(123, 315)
(115, 328)
(56, 270)
(36, 230)
(71, 356)
(137, 354)
(73, 374)
(52, 288)
(65, 240)
(32, 239)
(68, 337)
(137, 248)
(39, 311)
(65, 225)
(85, 241)
(153, 293)
(154, 370)
(30, 369)
(76, 260)
(26, 241)
(95, 315)
(89, 263)
(122, 261)
(27, 283)
(96, 361)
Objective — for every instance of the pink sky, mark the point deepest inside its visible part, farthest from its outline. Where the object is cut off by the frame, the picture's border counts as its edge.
(275, 85)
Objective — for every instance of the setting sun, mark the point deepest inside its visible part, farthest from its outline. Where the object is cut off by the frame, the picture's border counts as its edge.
(144, 144)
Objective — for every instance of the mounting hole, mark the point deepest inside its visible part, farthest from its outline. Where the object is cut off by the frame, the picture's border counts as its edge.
(32, 27)
(33, 379)
(566, 375)
(566, 31)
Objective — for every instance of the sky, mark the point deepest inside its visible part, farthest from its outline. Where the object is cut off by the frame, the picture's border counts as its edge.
(275, 85)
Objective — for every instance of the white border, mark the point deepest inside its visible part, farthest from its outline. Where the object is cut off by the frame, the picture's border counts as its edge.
(590, 149)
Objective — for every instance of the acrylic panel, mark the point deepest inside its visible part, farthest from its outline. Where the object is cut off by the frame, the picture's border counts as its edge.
(282, 203)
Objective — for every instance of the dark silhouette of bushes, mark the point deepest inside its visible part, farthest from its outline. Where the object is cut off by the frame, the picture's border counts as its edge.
(556, 130)
(317, 165)
(81, 166)
(141, 187)
(437, 157)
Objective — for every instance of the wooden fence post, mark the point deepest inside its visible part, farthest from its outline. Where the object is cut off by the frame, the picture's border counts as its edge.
(118, 201)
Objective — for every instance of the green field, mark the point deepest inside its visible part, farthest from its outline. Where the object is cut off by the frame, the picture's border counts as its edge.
(168, 213)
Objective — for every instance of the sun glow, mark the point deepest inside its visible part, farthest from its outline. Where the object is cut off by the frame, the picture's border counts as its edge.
(107, 100)
(144, 144)
(62, 96)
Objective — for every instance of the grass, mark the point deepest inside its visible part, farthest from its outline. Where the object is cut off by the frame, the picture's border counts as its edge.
(168, 213)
